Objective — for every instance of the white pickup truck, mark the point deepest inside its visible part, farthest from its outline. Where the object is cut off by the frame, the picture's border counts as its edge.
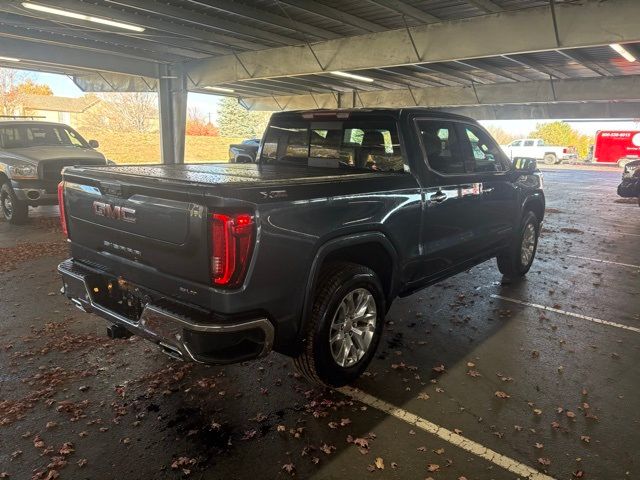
(536, 148)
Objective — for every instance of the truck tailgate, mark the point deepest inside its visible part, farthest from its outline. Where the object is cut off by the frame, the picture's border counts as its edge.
(161, 228)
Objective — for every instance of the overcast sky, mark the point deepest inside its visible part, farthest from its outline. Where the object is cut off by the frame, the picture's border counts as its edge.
(207, 105)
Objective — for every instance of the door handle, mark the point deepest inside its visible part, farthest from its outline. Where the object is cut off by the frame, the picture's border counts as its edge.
(438, 197)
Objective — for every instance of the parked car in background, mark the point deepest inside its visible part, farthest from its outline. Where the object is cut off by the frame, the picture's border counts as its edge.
(536, 148)
(32, 155)
(304, 251)
(616, 147)
(630, 185)
(244, 152)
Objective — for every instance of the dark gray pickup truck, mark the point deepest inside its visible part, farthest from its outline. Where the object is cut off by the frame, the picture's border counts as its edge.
(304, 251)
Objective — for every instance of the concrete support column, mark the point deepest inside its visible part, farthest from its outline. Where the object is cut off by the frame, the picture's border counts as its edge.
(172, 103)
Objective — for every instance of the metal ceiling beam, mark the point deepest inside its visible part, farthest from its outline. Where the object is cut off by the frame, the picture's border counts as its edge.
(49, 24)
(586, 62)
(263, 16)
(559, 111)
(625, 88)
(526, 62)
(149, 22)
(66, 57)
(486, 6)
(501, 72)
(208, 21)
(587, 23)
(398, 6)
(8, 31)
(458, 75)
(331, 13)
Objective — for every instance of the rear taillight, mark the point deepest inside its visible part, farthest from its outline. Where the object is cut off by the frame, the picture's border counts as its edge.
(63, 217)
(232, 238)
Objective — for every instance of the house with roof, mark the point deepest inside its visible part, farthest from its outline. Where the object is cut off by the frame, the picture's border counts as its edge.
(68, 110)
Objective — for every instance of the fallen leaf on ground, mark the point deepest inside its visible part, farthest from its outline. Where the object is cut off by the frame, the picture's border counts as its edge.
(433, 467)
(501, 394)
(379, 463)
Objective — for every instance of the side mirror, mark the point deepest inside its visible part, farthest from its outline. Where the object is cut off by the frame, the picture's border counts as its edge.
(94, 143)
(525, 164)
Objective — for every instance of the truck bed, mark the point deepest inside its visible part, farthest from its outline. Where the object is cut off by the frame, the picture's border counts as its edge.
(219, 174)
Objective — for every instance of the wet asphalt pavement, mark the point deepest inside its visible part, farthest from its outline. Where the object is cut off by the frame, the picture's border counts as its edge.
(548, 389)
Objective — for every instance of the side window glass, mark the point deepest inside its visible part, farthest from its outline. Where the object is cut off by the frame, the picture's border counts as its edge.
(484, 153)
(541, 143)
(441, 146)
(517, 143)
(528, 143)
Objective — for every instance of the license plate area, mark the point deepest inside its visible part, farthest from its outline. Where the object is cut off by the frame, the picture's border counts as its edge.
(118, 295)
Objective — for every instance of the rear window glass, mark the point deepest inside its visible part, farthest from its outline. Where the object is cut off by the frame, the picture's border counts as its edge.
(346, 143)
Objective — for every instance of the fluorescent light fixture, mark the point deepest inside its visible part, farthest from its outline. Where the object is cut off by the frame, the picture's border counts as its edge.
(81, 16)
(352, 76)
(9, 59)
(623, 52)
(220, 89)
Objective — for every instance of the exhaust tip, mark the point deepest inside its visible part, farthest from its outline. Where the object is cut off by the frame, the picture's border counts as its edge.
(33, 194)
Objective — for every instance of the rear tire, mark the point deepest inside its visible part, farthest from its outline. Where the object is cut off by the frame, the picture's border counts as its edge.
(341, 341)
(550, 159)
(15, 211)
(515, 261)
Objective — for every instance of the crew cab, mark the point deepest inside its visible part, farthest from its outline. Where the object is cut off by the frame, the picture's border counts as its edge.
(304, 251)
(536, 148)
(32, 156)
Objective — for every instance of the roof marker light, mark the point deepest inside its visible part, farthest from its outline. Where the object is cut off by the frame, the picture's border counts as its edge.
(220, 89)
(81, 16)
(623, 52)
(352, 76)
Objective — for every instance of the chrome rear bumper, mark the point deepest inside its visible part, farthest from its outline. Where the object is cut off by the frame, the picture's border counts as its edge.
(174, 332)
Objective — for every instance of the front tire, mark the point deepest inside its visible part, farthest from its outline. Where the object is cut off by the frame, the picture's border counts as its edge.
(15, 211)
(345, 325)
(550, 159)
(515, 261)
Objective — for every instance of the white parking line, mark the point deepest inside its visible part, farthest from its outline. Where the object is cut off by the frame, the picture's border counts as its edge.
(604, 261)
(520, 469)
(564, 312)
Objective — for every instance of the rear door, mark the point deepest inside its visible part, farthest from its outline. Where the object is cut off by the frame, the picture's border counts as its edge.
(452, 228)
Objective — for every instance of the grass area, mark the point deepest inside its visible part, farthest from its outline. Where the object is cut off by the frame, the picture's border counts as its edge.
(145, 147)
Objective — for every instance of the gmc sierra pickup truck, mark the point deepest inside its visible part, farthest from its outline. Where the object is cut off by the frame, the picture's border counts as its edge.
(304, 251)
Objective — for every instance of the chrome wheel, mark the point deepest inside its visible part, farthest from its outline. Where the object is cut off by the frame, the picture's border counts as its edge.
(353, 327)
(528, 244)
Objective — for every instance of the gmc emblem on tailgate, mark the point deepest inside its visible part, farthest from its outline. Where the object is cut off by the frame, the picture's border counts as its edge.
(114, 212)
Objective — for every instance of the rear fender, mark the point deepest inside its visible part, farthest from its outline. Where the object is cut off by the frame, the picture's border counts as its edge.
(334, 245)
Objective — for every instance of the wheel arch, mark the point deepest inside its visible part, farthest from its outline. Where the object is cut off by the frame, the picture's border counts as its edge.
(536, 204)
(371, 249)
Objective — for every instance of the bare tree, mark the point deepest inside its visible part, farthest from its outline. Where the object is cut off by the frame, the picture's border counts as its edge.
(124, 112)
(10, 96)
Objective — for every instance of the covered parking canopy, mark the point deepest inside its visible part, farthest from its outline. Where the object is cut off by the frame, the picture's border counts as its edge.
(490, 59)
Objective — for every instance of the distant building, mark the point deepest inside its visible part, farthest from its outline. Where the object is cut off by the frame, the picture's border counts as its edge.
(68, 110)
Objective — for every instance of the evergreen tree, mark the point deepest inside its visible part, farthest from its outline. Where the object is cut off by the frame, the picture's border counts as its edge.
(235, 121)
